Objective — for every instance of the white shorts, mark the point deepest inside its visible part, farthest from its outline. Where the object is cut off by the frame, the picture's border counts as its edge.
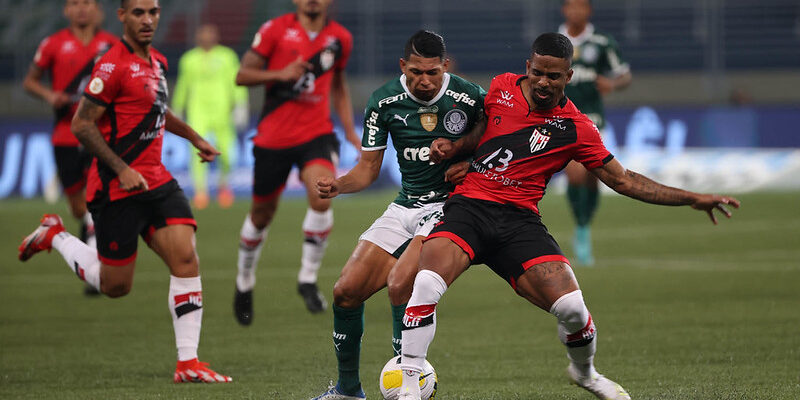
(398, 225)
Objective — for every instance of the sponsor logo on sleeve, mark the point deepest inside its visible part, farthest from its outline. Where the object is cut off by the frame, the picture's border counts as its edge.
(96, 86)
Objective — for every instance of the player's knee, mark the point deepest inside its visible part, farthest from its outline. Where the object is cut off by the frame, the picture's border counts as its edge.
(319, 205)
(346, 294)
(575, 325)
(261, 215)
(428, 288)
(399, 291)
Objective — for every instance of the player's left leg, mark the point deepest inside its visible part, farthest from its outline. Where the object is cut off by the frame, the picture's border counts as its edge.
(319, 159)
(551, 285)
(175, 244)
(583, 195)
(400, 283)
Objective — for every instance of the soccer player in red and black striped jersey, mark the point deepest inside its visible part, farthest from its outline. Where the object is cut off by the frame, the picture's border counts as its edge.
(121, 120)
(300, 57)
(68, 56)
(533, 130)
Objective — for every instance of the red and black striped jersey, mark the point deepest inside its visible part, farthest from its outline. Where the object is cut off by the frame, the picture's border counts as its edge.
(522, 148)
(134, 92)
(297, 112)
(69, 63)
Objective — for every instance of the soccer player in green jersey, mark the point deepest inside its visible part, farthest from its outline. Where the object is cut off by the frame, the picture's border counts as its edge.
(206, 90)
(422, 104)
(599, 70)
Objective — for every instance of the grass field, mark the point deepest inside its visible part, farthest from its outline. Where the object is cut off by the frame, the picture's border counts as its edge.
(684, 309)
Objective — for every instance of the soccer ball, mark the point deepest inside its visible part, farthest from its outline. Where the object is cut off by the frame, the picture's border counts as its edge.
(392, 378)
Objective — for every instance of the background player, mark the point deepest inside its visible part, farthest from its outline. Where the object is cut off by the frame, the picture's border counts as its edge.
(121, 121)
(68, 56)
(207, 91)
(493, 218)
(300, 57)
(599, 70)
(424, 102)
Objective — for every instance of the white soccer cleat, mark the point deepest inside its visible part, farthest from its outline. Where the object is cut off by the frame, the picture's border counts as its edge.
(333, 393)
(598, 385)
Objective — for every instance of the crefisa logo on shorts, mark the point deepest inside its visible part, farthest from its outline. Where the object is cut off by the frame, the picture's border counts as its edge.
(455, 121)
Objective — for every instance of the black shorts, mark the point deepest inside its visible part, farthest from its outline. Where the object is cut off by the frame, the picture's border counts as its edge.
(508, 239)
(272, 166)
(72, 163)
(119, 223)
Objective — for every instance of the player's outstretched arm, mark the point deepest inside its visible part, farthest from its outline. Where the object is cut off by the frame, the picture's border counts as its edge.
(361, 176)
(85, 129)
(252, 72)
(445, 149)
(205, 150)
(640, 187)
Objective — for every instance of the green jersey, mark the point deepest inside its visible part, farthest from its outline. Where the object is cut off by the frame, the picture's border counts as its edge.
(206, 85)
(413, 124)
(595, 54)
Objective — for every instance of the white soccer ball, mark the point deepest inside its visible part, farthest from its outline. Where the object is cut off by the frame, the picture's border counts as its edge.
(392, 378)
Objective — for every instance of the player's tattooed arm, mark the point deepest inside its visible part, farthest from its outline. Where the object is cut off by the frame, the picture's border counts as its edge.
(84, 127)
(356, 180)
(445, 149)
(206, 151)
(640, 187)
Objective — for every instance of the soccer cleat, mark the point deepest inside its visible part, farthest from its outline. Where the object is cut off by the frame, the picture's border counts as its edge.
(334, 393)
(42, 237)
(200, 200)
(313, 298)
(225, 197)
(243, 307)
(196, 371)
(598, 385)
(582, 244)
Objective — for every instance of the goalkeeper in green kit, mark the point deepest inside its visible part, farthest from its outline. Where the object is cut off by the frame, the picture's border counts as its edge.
(207, 92)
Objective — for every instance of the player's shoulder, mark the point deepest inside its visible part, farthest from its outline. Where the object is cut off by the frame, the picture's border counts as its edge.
(387, 93)
(115, 53)
(581, 121)
(279, 22)
(462, 84)
(505, 81)
(601, 38)
(339, 30)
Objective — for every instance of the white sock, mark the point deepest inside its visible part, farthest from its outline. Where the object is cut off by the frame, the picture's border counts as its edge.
(186, 307)
(91, 238)
(576, 330)
(81, 258)
(419, 326)
(251, 240)
(316, 227)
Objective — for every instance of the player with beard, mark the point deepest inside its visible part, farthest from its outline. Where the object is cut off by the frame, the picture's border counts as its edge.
(492, 218)
(68, 56)
(300, 58)
(121, 121)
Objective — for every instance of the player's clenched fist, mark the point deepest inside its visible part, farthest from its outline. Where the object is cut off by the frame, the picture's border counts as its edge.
(442, 149)
(327, 188)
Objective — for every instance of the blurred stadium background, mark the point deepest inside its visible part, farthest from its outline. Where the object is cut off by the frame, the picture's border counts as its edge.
(685, 310)
(708, 75)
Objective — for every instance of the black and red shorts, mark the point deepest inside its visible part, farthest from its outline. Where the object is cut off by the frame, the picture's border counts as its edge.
(508, 239)
(72, 164)
(118, 224)
(272, 166)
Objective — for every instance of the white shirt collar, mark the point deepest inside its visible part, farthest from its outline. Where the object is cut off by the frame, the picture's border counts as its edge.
(445, 83)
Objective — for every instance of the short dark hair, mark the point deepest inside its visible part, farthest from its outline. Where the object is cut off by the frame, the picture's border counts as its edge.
(553, 44)
(425, 44)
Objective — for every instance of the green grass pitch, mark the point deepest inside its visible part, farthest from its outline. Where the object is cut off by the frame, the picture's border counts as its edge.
(684, 310)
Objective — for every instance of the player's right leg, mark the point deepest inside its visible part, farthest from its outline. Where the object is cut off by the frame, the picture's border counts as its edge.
(362, 276)
(269, 178)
